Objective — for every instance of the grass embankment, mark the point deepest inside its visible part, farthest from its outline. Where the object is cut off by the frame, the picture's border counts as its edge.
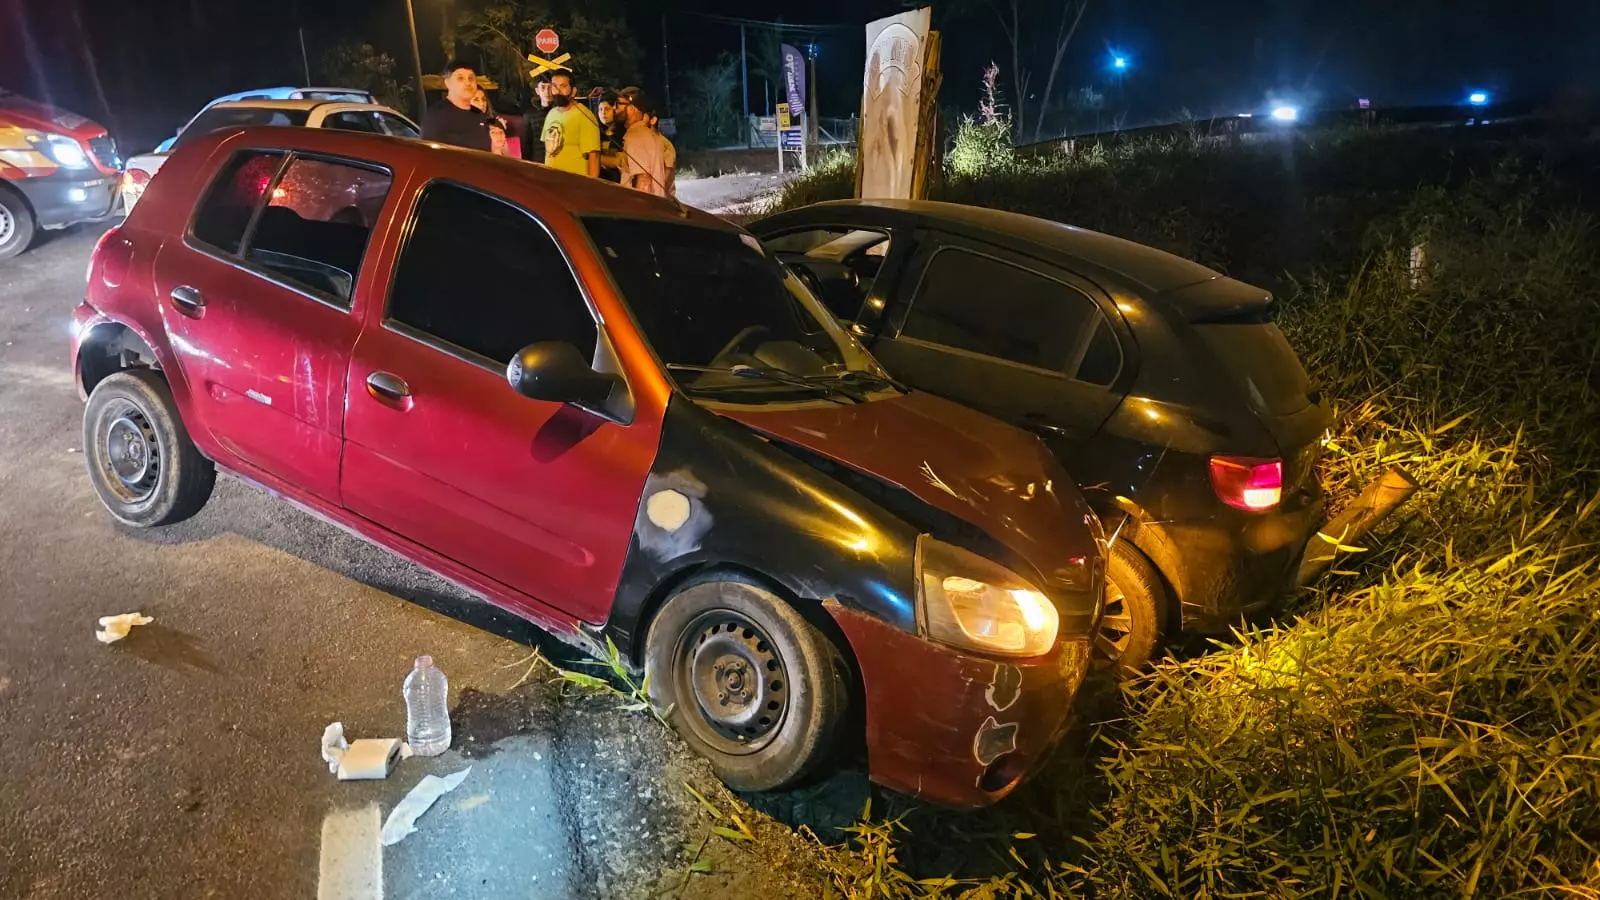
(1429, 724)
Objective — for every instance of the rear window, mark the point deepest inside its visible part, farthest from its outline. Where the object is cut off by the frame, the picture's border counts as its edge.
(237, 117)
(1259, 355)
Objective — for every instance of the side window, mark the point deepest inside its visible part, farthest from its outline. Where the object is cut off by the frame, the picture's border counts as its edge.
(353, 121)
(397, 126)
(313, 232)
(483, 275)
(224, 214)
(983, 305)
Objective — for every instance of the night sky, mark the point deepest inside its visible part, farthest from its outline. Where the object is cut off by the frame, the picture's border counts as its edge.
(143, 66)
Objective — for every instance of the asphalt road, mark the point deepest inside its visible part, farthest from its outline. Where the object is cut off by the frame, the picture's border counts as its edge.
(184, 760)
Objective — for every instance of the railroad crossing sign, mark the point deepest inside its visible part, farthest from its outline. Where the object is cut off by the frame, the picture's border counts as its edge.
(547, 41)
(542, 65)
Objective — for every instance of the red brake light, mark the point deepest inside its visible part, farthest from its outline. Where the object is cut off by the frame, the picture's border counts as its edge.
(1247, 483)
(136, 177)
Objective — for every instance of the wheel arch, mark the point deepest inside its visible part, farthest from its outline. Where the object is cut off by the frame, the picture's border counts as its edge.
(109, 347)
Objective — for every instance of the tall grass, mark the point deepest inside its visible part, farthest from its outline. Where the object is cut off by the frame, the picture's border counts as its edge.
(1429, 723)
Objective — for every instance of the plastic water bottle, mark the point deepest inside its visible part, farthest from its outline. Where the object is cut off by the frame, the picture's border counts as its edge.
(427, 694)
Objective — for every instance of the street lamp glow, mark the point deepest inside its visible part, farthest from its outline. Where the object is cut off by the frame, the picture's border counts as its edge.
(1285, 113)
(1119, 62)
(1478, 98)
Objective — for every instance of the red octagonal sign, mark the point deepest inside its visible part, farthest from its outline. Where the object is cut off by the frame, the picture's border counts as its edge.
(547, 41)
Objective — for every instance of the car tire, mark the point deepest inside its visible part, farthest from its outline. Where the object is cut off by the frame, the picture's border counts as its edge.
(141, 461)
(1135, 616)
(16, 224)
(760, 733)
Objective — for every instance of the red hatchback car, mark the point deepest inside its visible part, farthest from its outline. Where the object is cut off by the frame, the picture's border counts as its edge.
(690, 456)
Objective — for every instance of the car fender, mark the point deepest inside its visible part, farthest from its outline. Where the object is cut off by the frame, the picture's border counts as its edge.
(721, 497)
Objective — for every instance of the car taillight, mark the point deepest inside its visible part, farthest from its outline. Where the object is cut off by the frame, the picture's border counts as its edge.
(135, 178)
(1247, 483)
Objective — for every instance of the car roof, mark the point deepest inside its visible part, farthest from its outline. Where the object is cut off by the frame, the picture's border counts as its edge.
(299, 105)
(578, 194)
(1155, 270)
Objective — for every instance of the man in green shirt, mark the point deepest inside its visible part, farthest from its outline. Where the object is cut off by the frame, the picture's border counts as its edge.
(570, 129)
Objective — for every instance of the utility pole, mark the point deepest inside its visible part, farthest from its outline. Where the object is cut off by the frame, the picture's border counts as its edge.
(744, 84)
(666, 70)
(416, 59)
(811, 92)
(304, 60)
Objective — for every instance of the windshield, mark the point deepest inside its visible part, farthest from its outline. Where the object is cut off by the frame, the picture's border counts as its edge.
(712, 299)
(238, 116)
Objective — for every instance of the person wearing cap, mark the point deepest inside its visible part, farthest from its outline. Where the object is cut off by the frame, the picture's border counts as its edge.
(644, 165)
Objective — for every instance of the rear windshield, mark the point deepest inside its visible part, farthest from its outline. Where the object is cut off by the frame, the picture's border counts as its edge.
(239, 116)
(1259, 355)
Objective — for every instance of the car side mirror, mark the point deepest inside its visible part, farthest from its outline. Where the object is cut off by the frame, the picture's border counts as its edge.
(556, 372)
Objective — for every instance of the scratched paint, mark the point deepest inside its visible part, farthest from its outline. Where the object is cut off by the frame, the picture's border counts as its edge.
(994, 740)
(1005, 687)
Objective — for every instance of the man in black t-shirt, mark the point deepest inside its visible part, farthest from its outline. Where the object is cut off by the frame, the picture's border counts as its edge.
(453, 119)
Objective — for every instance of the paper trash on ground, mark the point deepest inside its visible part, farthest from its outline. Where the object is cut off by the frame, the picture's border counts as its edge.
(115, 628)
(334, 745)
(403, 819)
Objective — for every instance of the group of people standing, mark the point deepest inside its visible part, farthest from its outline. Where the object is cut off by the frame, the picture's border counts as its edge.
(623, 143)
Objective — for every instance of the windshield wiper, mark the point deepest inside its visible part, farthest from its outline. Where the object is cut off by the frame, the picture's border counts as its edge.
(831, 386)
(870, 380)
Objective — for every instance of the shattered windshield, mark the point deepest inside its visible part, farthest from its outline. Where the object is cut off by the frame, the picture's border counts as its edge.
(716, 309)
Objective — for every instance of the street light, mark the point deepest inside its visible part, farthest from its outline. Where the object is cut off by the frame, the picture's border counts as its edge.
(1119, 62)
(1285, 113)
(1478, 98)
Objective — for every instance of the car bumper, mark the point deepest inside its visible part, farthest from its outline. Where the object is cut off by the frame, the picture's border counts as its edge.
(952, 727)
(1235, 570)
(64, 198)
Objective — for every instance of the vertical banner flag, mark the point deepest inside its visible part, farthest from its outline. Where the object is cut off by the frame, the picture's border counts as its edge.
(794, 79)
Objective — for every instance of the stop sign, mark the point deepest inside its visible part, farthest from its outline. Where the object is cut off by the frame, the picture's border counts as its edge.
(547, 41)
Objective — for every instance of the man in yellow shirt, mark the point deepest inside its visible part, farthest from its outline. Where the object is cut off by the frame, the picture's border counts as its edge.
(570, 129)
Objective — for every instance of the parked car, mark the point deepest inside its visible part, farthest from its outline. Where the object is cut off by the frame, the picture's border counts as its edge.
(691, 457)
(1163, 386)
(371, 118)
(56, 169)
(333, 94)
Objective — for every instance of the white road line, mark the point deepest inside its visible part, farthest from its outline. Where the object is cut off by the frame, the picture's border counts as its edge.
(351, 867)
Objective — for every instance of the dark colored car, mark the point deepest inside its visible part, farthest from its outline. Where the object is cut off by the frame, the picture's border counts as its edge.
(1163, 386)
(690, 457)
(56, 169)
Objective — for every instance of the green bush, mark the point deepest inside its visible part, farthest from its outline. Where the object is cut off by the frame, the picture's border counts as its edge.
(982, 148)
(1429, 724)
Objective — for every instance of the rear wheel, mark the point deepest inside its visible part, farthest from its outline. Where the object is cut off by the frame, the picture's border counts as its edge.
(752, 686)
(16, 224)
(141, 461)
(1135, 612)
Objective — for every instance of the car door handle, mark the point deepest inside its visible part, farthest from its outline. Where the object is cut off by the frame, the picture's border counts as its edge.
(1042, 424)
(390, 390)
(188, 301)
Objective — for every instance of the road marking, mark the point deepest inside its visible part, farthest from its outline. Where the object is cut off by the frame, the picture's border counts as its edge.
(351, 867)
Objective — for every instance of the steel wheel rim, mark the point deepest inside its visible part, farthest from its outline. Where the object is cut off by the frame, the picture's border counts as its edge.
(8, 225)
(731, 682)
(1116, 626)
(130, 454)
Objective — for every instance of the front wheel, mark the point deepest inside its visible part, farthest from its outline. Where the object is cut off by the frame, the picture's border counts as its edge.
(141, 461)
(752, 685)
(16, 224)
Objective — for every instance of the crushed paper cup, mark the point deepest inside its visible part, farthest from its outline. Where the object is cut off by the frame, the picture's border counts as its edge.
(115, 628)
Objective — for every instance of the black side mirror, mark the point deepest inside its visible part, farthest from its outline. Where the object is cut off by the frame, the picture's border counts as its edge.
(555, 371)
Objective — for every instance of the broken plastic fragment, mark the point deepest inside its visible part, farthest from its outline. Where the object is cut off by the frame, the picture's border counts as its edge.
(115, 628)
(402, 820)
(334, 746)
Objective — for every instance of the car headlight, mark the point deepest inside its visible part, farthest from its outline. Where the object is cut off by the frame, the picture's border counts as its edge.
(66, 151)
(971, 602)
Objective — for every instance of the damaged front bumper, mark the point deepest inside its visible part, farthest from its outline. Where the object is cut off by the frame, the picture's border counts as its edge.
(953, 727)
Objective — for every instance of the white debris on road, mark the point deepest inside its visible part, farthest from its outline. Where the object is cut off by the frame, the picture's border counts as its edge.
(115, 628)
(402, 820)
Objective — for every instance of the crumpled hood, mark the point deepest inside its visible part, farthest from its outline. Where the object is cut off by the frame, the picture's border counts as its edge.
(957, 460)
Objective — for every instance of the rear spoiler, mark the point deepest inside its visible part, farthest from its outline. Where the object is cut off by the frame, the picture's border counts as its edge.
(1222, 299)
